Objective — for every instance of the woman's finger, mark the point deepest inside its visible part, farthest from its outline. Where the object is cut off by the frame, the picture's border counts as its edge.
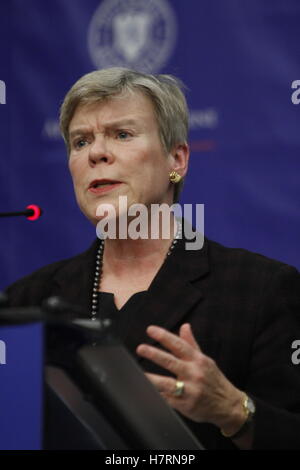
(187, 335)
(162, 358)
(178, 346)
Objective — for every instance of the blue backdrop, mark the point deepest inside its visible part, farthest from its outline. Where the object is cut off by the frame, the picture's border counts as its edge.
(238, 60)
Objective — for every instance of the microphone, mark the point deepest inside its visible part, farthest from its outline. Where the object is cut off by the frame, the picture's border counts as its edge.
(53, 310)
(32, 212)
(56, 306)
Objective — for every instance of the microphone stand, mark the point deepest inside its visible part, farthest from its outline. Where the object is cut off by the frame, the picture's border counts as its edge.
(27, 213)
(32, 212)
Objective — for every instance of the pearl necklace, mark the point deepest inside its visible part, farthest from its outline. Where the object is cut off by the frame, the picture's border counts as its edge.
(99, 263)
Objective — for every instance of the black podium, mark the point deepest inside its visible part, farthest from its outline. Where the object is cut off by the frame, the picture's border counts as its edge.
(120, 409)
(111, 405)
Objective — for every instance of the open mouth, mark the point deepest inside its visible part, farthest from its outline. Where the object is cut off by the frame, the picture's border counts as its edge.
(97, 186)
(100, 183)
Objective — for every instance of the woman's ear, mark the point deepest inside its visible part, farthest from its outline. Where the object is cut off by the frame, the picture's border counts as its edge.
(180, 159)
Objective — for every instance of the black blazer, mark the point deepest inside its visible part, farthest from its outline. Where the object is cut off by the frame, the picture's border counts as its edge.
(245, 313)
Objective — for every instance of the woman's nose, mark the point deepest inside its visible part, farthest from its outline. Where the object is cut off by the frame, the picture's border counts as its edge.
(99, 151)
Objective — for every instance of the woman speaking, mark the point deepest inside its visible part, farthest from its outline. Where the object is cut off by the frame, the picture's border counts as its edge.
(211, 327)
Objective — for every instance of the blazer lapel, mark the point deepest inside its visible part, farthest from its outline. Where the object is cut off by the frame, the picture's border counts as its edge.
(172, 294)
(74, 282)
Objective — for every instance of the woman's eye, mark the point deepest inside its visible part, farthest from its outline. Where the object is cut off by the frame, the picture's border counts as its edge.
(123, 135)
(80, 143)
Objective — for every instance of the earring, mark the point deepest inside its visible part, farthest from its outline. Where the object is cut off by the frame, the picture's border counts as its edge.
(174, 177)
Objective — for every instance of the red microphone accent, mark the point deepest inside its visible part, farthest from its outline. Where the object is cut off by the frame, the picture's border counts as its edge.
(37, 212)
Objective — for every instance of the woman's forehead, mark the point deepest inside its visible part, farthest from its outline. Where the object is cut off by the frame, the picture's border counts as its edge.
(130, 107)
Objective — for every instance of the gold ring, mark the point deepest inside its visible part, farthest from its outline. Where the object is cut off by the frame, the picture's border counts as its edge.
(179, 388)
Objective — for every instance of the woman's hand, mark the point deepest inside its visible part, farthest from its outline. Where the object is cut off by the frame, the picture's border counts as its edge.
(207, 395)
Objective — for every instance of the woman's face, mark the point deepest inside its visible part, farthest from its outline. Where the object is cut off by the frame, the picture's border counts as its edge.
(117, 141)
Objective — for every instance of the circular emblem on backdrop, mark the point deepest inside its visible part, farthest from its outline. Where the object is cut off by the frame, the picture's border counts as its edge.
(138, 34)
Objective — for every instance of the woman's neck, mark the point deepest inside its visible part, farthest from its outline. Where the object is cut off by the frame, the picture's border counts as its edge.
(128, 253)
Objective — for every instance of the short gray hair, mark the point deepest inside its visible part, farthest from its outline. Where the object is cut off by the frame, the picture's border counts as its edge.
(164, 91)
